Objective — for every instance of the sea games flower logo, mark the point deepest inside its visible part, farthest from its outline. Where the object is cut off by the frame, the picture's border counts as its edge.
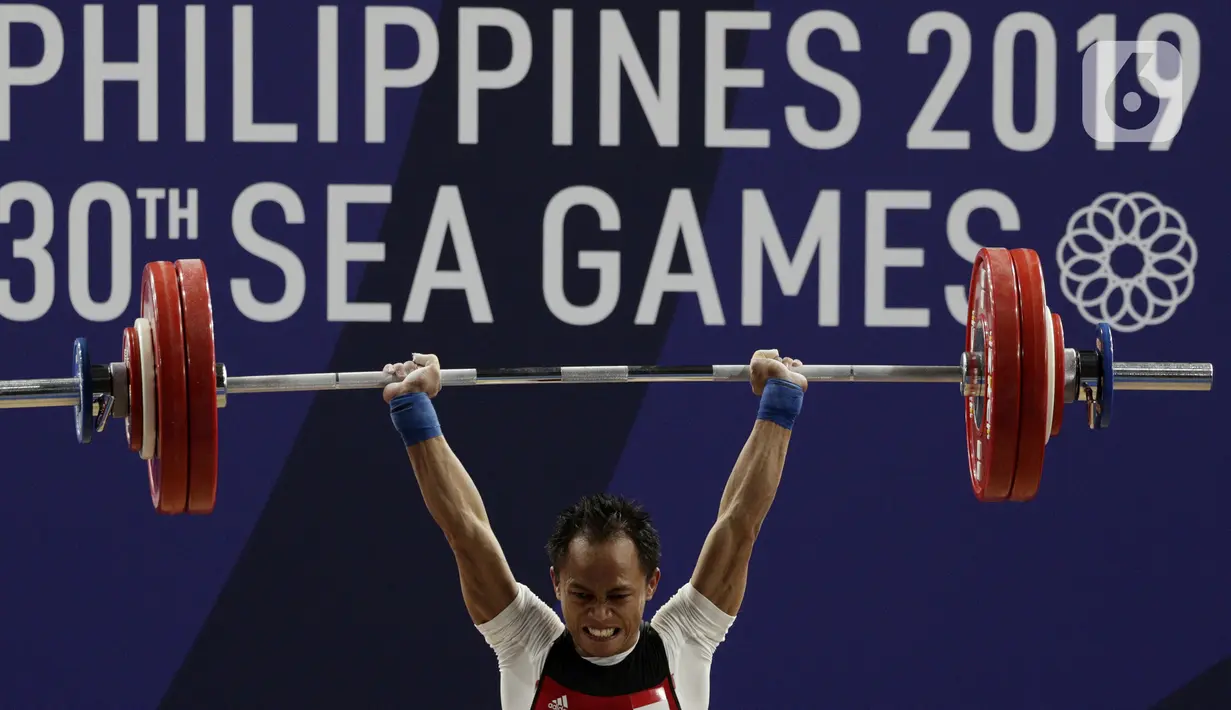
(1127, 259)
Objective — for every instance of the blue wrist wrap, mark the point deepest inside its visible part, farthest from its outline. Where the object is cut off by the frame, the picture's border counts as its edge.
(781, 401)
(414, 417)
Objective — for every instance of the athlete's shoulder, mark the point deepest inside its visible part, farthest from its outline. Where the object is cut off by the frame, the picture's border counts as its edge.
(527, 624)
(689, 604)
(689, 617)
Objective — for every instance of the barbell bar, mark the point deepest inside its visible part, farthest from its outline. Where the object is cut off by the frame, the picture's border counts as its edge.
(1134, 376)
(168, 387)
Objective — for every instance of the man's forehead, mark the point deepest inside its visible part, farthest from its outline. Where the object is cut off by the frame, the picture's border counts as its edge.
(617, 546)
(601, 568)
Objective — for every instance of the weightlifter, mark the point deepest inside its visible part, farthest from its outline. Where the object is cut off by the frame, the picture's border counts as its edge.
(604, 556)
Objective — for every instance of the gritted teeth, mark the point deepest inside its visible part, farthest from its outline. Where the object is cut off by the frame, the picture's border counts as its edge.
(600, 633)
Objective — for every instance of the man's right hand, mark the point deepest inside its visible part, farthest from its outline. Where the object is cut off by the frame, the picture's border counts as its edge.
(766, 365)
(419, 374)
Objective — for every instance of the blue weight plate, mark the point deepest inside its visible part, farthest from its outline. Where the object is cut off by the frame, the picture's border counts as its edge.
(1107, 377)
(83, 409)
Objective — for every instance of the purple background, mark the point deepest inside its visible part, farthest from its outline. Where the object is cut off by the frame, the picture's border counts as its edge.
(320, 580)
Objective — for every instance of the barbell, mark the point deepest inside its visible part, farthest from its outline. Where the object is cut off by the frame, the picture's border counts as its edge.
(1015, 374)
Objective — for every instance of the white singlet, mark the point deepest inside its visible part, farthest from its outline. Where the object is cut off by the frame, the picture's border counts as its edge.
(690, 625)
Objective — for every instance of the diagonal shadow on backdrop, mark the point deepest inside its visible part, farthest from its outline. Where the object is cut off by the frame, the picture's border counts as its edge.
(346, 594)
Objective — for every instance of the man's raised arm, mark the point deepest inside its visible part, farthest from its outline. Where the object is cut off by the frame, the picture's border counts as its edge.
(721, 574)
(453, 500)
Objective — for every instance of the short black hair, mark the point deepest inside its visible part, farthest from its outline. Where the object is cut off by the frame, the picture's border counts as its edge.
(601, 517)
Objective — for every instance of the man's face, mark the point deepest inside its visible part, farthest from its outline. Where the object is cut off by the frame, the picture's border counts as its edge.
(602, 591)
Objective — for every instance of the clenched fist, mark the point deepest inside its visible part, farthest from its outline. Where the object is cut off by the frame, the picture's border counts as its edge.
(767, 365)
(419, 374)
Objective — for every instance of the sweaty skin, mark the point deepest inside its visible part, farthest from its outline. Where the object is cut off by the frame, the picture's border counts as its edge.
(601, 586)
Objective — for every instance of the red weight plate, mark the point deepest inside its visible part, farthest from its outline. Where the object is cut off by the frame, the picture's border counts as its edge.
(1058, 413)
(993, 333)
(160, 305)
(133, 424)
(202, 385)
(1036, 395)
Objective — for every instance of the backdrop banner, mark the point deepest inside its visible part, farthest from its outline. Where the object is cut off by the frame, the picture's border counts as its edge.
(546, 184)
